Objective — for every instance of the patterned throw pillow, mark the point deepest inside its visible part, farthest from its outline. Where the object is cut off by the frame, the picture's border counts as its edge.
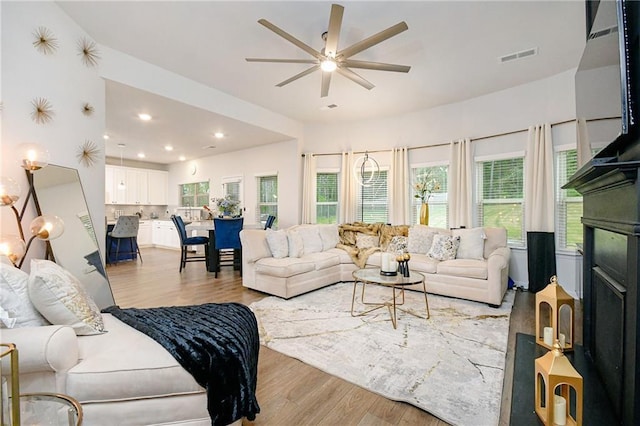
(420, 239)
(278, 243)
(14, 298)
(444, 247)
(61, 299)
(364, 241)
(398, 245)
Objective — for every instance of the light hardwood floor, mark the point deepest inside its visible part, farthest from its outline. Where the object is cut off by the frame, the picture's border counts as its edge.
(289, 391)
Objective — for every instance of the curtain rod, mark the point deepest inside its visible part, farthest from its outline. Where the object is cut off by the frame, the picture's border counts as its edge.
(479, 138)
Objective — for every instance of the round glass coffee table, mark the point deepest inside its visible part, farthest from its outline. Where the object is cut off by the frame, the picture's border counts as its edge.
(49, 409)
(397, 283)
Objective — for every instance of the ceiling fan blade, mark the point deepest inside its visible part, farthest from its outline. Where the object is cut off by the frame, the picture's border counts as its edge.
(311, 51)
(326, 81)
(333, 34)
(299, 75)
(378, 66)
(354, 77)
(373, 40)
(283, 61)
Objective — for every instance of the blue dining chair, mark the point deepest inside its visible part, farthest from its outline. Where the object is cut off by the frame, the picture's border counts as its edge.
(269, 222)
(185, 242)
(228, 249)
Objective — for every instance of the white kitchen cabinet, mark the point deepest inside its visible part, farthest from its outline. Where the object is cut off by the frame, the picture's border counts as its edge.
(164, 234)
(158, 184)
(114, 193)
(137, 191)
(145, 233)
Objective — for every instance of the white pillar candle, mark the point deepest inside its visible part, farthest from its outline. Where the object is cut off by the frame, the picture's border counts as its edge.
(562, 339)
(548, 336)
(559, 410)
(385, 262)
(393, 264)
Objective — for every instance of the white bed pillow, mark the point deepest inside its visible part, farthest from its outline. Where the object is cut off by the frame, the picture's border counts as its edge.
(329, 236)
(471, 243)
(61, 299)
(444, 247)
(14, 298)
(278, 243)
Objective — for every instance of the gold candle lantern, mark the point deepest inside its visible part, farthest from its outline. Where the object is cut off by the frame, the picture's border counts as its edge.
(554, 316)
(558, 389)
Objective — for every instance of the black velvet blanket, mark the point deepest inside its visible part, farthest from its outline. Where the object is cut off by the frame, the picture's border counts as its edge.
(217, 343)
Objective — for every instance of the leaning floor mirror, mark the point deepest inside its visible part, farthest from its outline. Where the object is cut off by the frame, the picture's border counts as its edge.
(59, 192)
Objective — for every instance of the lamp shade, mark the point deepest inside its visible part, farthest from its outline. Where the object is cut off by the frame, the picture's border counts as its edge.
(34, 156)
(13, 247)
(46, 227)
(9, 191)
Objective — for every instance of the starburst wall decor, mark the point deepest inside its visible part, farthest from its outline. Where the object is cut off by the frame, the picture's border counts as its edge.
(88, 52)
(87, 109)
(88, 153)
(42, 112)
(44, 41)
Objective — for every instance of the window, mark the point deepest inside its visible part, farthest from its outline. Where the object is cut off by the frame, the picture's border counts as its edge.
(267, 197)
(500, 196)
(373, 200)
(569, 202)
(438, 206)
(327, 198)
(232, 187)
(194, 194)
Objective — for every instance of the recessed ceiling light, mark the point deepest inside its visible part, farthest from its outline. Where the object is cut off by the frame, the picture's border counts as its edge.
(182, 158)
(105, 136)
(141, 155)
(219, 135)
(144, 117)
(168, 148)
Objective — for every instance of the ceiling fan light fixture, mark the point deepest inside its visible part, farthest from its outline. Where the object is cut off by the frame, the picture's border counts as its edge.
(328, 65)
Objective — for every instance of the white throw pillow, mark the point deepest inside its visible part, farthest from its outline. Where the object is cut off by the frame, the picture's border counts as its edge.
(329, 236)
(471, 243)
(61, 299)
(311, 241)
(364, 241)
(295, 242)
(14, 298)
(420, 239)
(444, 247)
(278, 243)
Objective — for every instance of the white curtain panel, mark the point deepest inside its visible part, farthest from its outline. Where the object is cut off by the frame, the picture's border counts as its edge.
(347, 190)
(460, 182)
(399, 187)
(309, 189)
(583, 144)
(538, 195)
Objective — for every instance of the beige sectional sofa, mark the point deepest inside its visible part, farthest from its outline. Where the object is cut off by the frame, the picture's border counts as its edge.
(303, 258)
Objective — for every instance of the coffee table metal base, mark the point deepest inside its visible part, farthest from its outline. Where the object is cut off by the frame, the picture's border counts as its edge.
(392, 305)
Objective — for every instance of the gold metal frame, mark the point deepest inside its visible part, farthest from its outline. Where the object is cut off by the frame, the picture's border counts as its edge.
(43, 396)
(12, 351)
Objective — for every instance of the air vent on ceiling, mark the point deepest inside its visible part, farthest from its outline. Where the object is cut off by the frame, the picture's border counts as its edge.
(519, 55)
(604, 32)
(331, 106)
(209, 147)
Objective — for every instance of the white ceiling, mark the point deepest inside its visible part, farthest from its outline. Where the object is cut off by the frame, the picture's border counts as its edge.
(453, 48)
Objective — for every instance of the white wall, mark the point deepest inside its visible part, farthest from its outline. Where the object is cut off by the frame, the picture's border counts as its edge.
(67, 83)
(281, 158)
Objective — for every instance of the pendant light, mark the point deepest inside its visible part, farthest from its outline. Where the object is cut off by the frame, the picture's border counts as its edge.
(121, 185)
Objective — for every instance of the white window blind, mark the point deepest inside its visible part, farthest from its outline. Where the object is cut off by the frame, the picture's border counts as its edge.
(438, 205)
(568, 202)
(500, 196)
(373, 200)
(267, 197)
(327, 197)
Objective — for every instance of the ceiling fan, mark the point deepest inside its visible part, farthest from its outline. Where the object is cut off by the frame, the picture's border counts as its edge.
(331, 59)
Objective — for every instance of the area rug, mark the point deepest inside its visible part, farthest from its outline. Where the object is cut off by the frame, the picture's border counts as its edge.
(451, 365)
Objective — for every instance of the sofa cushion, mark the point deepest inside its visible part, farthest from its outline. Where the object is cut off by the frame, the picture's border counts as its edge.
(420, 239)
(284, 268)
(444, 247)
(14, 298)
(342, 255)
(61, 298)
(125, 364)
(398, 244)
(278, 243)
(311, 241)
(323, 260)
(423, 263)
(329, 236)
(295, 242)
(496, 237)
(365, 241)
(471, 243)
(468, 268)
